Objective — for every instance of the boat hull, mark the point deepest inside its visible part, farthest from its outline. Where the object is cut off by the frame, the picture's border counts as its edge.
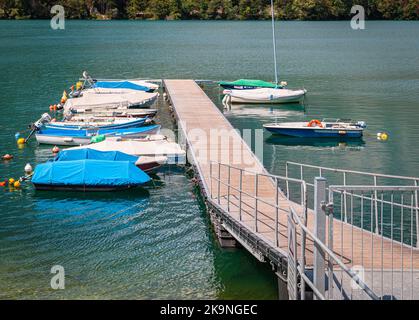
(85, 140)
(83, 188)
(68, 125)
(268, 96)
(316, 133)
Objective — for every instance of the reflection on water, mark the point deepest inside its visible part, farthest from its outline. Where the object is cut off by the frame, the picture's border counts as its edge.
(282, 111)
(343, 144)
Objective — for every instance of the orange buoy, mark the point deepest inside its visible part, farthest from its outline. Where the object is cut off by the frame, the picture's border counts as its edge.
(55, 149)
(7, 157)
(3, 184)
(315, 123)
(16, 184)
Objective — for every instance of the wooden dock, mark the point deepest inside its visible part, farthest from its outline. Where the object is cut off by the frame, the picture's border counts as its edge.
(205, 129)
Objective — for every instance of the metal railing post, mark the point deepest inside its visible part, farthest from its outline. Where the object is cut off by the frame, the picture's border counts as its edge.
(240, 195)
(219, 182)
(286, 183)
(417, 215)
(276, 212)
(256, 202)
(344, 198)
(376, 207)
(228, 189)
(211, 181)
(320, 233)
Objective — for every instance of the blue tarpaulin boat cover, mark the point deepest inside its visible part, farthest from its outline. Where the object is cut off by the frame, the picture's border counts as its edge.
(120, 85)
(92, 154)
(93, 173)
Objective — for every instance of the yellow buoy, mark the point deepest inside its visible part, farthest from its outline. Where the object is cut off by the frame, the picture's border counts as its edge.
(16, 184)
(21, 141)
(383, 136)
(11, 181)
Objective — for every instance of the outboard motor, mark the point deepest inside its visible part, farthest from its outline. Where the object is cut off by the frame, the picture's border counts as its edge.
(45, 118)
(361, 124)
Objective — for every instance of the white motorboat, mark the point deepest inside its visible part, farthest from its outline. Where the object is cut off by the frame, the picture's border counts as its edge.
(113, 113)
(265, 95)
(142, 147)
(91, 99)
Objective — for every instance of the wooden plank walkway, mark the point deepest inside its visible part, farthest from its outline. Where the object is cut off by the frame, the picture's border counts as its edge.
(211, 137)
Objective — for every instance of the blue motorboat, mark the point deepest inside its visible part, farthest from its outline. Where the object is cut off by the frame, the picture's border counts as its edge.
(126, 123)
(327, 128)
(75, 137)
(88, 175)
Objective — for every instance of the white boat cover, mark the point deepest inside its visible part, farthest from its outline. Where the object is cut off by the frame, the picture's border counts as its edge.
(266, 95)
(90, 98)
(139, 147)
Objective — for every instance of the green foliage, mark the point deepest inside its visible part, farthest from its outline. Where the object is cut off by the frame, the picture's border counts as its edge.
(210, 9)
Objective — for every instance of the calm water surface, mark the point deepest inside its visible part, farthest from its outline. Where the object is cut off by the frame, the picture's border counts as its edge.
(157, 243)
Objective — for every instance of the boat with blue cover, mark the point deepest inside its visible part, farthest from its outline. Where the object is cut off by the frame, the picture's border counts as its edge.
(92, 154)
(145, 163)
(88, 175)
(327, 128)
(128, 85)
(75, 137)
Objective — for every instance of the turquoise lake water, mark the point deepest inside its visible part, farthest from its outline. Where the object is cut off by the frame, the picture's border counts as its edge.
(157, 243)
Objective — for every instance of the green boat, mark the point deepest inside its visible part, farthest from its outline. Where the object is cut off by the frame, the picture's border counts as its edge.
(245, 84)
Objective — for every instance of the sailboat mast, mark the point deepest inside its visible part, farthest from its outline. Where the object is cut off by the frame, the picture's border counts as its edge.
(273, 40)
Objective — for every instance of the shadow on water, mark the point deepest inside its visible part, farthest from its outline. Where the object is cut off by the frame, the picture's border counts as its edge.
(313, 142)
(129, 194)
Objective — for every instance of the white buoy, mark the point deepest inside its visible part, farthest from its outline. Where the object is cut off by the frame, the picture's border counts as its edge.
(28, 168)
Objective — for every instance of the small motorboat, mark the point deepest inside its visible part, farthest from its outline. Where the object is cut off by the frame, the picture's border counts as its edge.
(76, 137)
(102, 123)
(91, 99)
(112, 86)
(247, 84)
(111, 113)
(152, 147)
(124, 86)
(265, 95)
(327, 128)
(88, 175)
(145, 163)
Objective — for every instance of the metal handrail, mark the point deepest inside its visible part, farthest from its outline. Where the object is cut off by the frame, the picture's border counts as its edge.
(219, 181)
(352, 171)
(348, 190)
(331, 255)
